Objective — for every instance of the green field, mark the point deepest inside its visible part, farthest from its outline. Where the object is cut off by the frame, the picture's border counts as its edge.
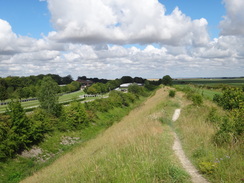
(211, 82)
(62, 99)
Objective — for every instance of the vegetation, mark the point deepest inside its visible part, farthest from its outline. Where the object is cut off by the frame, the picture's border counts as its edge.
(16, 132)
(231, 126)
(48, 98)
(172, 93)
(214, 139)
(137, 149)
(14, 87)
(44, 123)
(212, 83)
(167, 80)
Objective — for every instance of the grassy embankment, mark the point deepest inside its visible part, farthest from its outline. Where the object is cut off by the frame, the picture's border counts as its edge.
(137, 149)
(218, 163)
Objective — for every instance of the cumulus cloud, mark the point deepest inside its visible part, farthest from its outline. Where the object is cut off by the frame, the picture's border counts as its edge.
(123, 22)
(233, 23)
(89, 37)
(11, 44)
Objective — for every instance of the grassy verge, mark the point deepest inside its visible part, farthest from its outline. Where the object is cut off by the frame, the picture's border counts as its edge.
(218, 164)
(137, 149)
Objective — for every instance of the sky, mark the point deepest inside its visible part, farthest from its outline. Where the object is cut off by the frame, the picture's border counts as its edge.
(114, 38)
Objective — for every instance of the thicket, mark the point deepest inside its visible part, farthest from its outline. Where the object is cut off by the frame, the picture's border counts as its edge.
(19, 132)
(230, 127)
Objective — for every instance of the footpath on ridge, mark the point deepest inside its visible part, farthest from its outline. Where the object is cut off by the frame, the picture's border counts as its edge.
(195, 176)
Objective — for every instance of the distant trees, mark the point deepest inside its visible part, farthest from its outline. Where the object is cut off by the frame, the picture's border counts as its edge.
(103, 88)
(167, 80)
(14, 87)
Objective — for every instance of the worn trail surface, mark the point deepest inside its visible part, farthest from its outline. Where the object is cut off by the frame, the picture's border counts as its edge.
(195, 176)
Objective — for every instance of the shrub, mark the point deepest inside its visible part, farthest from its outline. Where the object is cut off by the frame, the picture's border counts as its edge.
(197, 99)
(232, 98)
(41, 123)
(230, 130)
(172, 93)
(75, 116)
(135, 89)
(207, 167)
(213, 116)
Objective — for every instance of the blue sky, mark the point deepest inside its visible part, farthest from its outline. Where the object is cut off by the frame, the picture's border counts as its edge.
(114, 38)
(32, 18)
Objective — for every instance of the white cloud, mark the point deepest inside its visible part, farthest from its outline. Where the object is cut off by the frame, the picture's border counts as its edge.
(233, 23)
(182, 48)
(123, 22)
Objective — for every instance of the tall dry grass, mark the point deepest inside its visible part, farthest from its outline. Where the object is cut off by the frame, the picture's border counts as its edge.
(137, 149)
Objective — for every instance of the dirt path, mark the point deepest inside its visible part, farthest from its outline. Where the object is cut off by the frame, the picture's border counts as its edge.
(195, 176)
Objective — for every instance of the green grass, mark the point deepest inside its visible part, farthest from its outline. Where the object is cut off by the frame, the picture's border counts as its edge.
(218, 164)
(206, 93)
(211, 82)
(62, 99)
(137, 149)
(14, 170)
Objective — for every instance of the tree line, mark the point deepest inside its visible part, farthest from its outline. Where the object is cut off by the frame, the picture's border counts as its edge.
(14, 87)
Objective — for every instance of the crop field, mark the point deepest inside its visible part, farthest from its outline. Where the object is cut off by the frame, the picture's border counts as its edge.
(211, 82)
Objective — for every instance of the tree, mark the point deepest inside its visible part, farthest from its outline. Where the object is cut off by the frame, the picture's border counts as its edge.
(3, 93)
(167, 80)
(127, 79)
(19, 133)
(135, 89)
(47, 96)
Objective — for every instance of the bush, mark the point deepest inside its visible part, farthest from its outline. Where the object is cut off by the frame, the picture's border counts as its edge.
(41, 123)
(197, 99)
(207, 167)
(232, 98)
(231, 129)
(135, 89)
(172, 93)
(213, 116)
(74, 116)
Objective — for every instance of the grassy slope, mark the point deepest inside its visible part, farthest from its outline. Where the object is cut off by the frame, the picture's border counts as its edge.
(220, 164)
(137, 149)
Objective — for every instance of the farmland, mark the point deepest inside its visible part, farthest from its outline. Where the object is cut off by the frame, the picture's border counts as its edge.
(214, 82)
